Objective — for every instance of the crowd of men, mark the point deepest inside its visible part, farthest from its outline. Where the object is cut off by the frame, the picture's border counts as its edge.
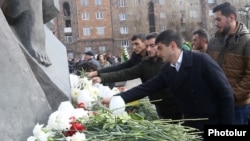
(210, 80)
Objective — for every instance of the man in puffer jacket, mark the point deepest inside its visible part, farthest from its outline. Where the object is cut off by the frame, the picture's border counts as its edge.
(230, 47)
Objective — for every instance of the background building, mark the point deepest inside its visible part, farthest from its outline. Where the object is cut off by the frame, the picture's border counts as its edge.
(104, 26)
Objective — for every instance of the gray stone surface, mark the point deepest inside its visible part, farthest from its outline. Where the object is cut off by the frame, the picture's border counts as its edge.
(29, 90)
(1, 2)
(22, 100)
(54, 80)
(51, 9)
(26, 18)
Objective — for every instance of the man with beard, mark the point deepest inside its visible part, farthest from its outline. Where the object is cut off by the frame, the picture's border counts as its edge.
(200, 40)
(230, 47)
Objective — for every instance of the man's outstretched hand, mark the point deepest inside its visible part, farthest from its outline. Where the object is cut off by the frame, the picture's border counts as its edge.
(92, 74)
(96, 80)
(106, 101)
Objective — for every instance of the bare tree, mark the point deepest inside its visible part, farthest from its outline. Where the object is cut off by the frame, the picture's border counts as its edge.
(138, 16)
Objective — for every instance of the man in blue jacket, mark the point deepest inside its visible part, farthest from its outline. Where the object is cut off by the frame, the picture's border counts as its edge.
(196, 80)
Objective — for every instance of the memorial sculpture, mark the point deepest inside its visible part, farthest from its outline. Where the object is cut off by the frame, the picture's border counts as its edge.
(26, 17)
(34, 79)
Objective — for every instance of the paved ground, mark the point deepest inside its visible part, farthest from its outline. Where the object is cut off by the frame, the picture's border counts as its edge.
(132, 83)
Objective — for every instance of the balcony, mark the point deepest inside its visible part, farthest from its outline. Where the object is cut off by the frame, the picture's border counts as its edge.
(67, 30)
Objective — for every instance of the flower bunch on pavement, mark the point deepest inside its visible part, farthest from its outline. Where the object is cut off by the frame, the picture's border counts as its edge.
(84, 94)
(64, 124)
(81, 121)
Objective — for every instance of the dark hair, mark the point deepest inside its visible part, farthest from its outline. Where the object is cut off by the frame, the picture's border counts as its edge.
(98, 56)
(167, 36)
(151, 35)
(87, 67)
(226, 9)
(202, 34)
(140, 36)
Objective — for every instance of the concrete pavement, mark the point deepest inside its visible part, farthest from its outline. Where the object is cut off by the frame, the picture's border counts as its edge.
(132, 83)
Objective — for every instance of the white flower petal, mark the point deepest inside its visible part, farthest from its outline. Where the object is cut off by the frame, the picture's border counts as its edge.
(37, 129)
(79, 112)
(31, 138)
(78, 137)
(117, 105)
(84, 97)
(65, 106)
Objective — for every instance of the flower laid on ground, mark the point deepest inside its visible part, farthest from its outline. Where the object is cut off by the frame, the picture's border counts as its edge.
(63, 124)
(85, 94)
(86, 119)
(72, 124)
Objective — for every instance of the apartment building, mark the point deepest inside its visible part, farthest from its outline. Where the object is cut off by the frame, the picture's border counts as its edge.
(107, 25)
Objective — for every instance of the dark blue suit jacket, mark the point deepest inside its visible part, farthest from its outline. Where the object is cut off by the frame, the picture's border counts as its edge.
(200, 86)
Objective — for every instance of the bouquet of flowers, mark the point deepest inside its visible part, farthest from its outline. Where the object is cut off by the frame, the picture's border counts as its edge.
(86, 95)
(84, 118)
(124, 54)
(76, 124)
(63, 124)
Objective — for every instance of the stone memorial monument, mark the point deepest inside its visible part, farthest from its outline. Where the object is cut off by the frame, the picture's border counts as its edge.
(34, 77)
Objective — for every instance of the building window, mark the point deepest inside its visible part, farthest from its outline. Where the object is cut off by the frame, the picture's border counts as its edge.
(193, 14)
(87, 49)
(102, 49)
(194, 3)
(162, 15)
(99, 15)
(124, 43)
(210, 1)
(179, 2)
(98, 2)
(123, 17)
(100, 30)
(68, 39)
(66, 9)
(124, 30)
(121, 3)
(86, 31)
(212, 25)
(135, 2)
(85, 16)
(162, 2)
(67, 23)
(163, 27)
(84, 2)
(210, 12)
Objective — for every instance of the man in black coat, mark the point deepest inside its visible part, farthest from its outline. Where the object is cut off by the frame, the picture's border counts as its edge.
(197, 81)
(139, 52)
(165, 102)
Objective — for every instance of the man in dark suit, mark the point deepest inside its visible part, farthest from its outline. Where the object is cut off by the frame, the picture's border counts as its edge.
(166, 106)
(196, 80)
